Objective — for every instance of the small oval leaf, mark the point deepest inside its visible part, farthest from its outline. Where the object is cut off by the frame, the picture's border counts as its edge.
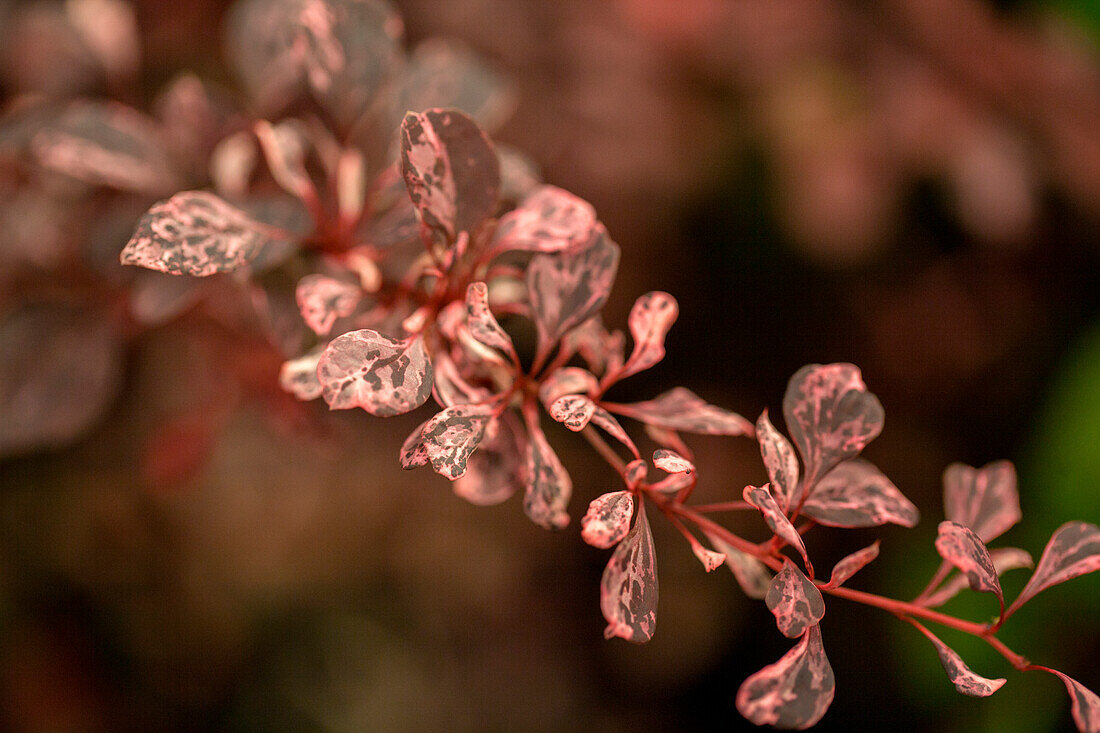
(965, 550)
(383, 375)
(670, 461)
(650, 320)
(628, 590)
(322, 299)
(795, 601)
(452, 435)
(299, 376)
(608, 519)
(779, 460)
(852, 564)
(793, 693)
(573, 411)
(548, 220)
(857, 494)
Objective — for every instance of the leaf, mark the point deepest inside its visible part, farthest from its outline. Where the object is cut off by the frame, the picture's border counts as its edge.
(1004, 559)
(779, 460)
(671, 461)
(285, 148)
(413, 452)
(965, 550)
(985, 499)
(628, 590)
(450, 170)
(682, 409)
(452, 435)
(548, 220)
(650, 320)
(1073, 550)
(602, 419)
(857, 494)
(447, 73)
(323, 299)
(751, 574)
(481, 322)
(568, 288)
(711, 560)
(761, 498)
(383, 375)
(852, 564)
(548, 486)
(574, 411)
(1086, 703)
(299, 376)
(194, 233)
(965, 681)
(608, 519)
(795, 601)
(601, 349)
(635, 473)
(793, 693)
(495, 470)
(564, 381)
(830, 415)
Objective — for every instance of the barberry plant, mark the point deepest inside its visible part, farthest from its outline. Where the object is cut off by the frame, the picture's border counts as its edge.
(413, 282)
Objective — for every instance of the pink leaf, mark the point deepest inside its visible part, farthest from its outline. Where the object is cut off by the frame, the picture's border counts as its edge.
(323, 299)
(1073, 550)
(414, 453)
(285, 148)
(194, 233)
(1004, 559)
(852, 564)
(1086, 703)
(495, 471)
(603, 350)
(450, 169)
(650, 319)
(548, 485)
(985, 499)
(568, 288)
(793, 693)
(635, 473)
(602, 419)
(965, 550)
(299, 376)
(795, 601)
(856, 494)
(711, 560)
(481, 322)
(965, 681)
(751, 574)
(761, 498)
(452, 435)
(779, 460)
(383, 375)
(548, 220)
(830, 415)
(450, 387)
(682, 409)
(607, 519)
(628, 590)
(671, 461)
(573, 411)
(565, 381)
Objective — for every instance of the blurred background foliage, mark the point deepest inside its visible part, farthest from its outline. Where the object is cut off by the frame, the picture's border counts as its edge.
(911, 185)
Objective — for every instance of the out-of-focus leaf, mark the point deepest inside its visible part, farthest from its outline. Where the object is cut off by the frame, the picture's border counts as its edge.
(857, 494)
(519, 175)
(961, 547)
(985, 499)
(795, 692)
(1073, 550)
(1004, 559)
(548, 486)
(650, 320)
(383, 375)
(286, 146)
(495, 471)
(761, 498)
(681, 409)
(852, 564)
(481, 321)
(965, 681)
(299, 376)
(323, 299)
(751, 574)
(600, 348)
(565, 381)
(1086, 703)
(452, 435)
(606, 422)
(628, 590)
(795, 601)
(608, 519)
(710, 559)
(548, 220)
(779, 460)
(446, 73)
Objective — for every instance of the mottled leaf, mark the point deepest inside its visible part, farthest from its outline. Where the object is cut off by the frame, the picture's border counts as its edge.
(751, 574)
(565, 381)
(628, 590)
(452, 435)
(323, 299)
(450, 170)
(450, 387)
(650, 319)
(852, 564)
(568, 288)
(608, 519)
(495, 471)
(1073, 550)
(710, 559)
(548, 220)
(383, 375)
(446, 73)
(671, 461)
(1004, 559)
(965, 681)
(600, 348)
(965, 550)
(830, 415)
(481, 322)
(761, 498)
(682, 409)
(635, 473)
(985, 499)
(795, 601)
(574, 411)
(856, 494)
(413, 452)
(299, 376)
(793, 693)
(779, 460)
(548, 486)
(194, 233)
(602, 419)
(1085, 702)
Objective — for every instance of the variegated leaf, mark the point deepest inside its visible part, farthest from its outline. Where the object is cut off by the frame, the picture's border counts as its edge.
(710, 559)
(628, 590)
(762, 499)
(857, 494)
(450, 170)
(452, 435)
(481, 321)
(1073, 550)
(793, 693)
(299, 376)
(650, 320)
(568, 288)
(323, 299)
(608, 519)
(830, 415)
(566, 381)
(1004, 559)
(985, 499)
(603, 350)
(1085, 702)
(966, 681)
(602, 419)
(413, 453)
(852, 564)
(383, 375)
(635, 473)
(194, 233)
(682, 409)
(965, 550)
(548, 485)
(779, 460)
(671, 461)
(751, 574)
(495, 471)
(795, 601)
(548, 220)
(574, 411)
